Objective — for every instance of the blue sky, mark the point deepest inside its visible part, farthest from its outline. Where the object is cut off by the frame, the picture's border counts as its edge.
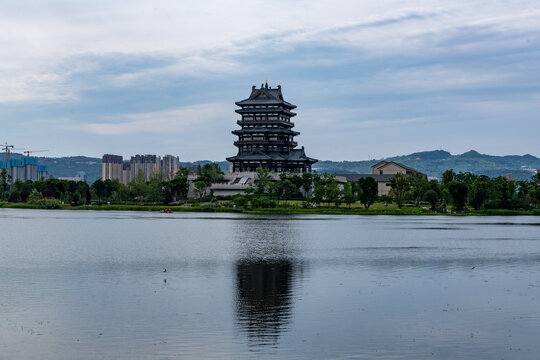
(370, 79)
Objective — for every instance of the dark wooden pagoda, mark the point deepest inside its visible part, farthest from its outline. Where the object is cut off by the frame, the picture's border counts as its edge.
(266, 137)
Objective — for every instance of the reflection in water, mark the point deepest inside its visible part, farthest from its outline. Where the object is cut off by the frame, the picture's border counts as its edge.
(265, 279)
(264, 299)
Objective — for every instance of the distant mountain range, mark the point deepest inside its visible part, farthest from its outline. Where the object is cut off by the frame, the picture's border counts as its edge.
(432, 163)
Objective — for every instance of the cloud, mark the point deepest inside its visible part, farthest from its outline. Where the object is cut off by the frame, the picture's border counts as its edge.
(48, 40)
(158, 122)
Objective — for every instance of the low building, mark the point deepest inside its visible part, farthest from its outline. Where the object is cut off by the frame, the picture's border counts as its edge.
(382, 172)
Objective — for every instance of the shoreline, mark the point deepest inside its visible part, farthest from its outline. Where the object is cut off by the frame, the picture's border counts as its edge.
(278, 211)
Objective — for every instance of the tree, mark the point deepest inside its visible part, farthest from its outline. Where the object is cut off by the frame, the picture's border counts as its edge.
(5, 180)
(262, 180)
(367, 191)
(480, 192)
(200, 189)
(210, 173)
(179, 185)
(432, 198)
(400, 187)
(155, 190)
(348, 195)
(447, 177)
(98, 187)
(307, 184)
(138, 186)
(332, 192)
(419, 185)
(458, 192)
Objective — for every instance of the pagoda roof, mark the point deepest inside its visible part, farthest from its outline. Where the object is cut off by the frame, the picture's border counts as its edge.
(293, 155)
(265, 110)
(266, 130)
(265, 96)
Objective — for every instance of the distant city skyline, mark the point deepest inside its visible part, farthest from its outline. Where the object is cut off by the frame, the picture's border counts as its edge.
(371, 80)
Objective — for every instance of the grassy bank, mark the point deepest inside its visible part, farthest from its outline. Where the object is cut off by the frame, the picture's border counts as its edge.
(224, 208)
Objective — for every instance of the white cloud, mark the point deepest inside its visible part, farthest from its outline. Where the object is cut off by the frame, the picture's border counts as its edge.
(47, 40)
(158, 122)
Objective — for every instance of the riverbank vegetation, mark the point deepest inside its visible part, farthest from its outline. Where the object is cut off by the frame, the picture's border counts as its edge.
(309, 193)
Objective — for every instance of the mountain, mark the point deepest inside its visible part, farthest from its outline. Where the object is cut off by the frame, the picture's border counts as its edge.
(432, 163)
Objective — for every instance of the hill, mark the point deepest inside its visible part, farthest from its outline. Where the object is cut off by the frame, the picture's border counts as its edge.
(432, 163)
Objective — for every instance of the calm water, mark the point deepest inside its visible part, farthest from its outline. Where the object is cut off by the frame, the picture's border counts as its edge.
(90, 285)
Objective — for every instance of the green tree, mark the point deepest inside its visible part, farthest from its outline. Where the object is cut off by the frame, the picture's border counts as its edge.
(332, 192)
(348, 195)
(200, 189)
(458, 192)
(138, 186)
(447, 177)
(5, 181)
(210, 173)
(399, 188)
(367, 191)
(179, 185)
(262, 180)
(480, 191)
(98, 187)
(419, 185)
(307, 184)
(432, 198)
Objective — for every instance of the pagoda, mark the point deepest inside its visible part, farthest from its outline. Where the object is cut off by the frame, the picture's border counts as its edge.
(266, 137)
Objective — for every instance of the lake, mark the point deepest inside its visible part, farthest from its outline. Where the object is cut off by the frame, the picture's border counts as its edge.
(91, 284)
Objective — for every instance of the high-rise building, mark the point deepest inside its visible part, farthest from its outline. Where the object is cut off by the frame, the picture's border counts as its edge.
(25, 169)
(169, 166)
(266, 137)
(114, 168)
(150, 165)
(111, 167)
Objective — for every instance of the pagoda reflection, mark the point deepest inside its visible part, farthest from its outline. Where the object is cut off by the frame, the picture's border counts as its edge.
(264, 298)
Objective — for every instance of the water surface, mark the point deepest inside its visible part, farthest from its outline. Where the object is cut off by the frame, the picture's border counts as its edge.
(87, 285)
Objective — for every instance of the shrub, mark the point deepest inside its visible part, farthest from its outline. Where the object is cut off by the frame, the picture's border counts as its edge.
(240, 201)
(263, 202)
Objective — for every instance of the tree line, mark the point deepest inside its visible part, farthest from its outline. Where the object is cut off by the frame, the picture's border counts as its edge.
(455, 191)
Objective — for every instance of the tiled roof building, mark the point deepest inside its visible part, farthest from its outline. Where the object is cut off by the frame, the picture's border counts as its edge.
(266, 137)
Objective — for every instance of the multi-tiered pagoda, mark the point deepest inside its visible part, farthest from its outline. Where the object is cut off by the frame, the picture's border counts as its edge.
(266, 137)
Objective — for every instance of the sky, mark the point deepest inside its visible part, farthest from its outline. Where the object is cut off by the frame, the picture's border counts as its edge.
(371, 79)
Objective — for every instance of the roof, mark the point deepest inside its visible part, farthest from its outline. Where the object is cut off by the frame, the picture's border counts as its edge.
(265, 96)
(286, 131)
(264, 110)
(382, 164)
(293, 155)
(377, 177)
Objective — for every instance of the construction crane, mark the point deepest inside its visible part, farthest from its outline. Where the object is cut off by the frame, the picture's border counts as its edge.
(8, 148)
(28, 152)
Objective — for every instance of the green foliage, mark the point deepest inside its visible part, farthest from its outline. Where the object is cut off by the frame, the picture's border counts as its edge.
(400, 187)
(209, 173)
(40, 202)
(200, 189)
(179, 185)
(263, 202)
(367, 191)
(348, 195)
(5, 180)
(262, 181)
(240, 201)
(432, 198)
(419, 185)
(458, 192)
